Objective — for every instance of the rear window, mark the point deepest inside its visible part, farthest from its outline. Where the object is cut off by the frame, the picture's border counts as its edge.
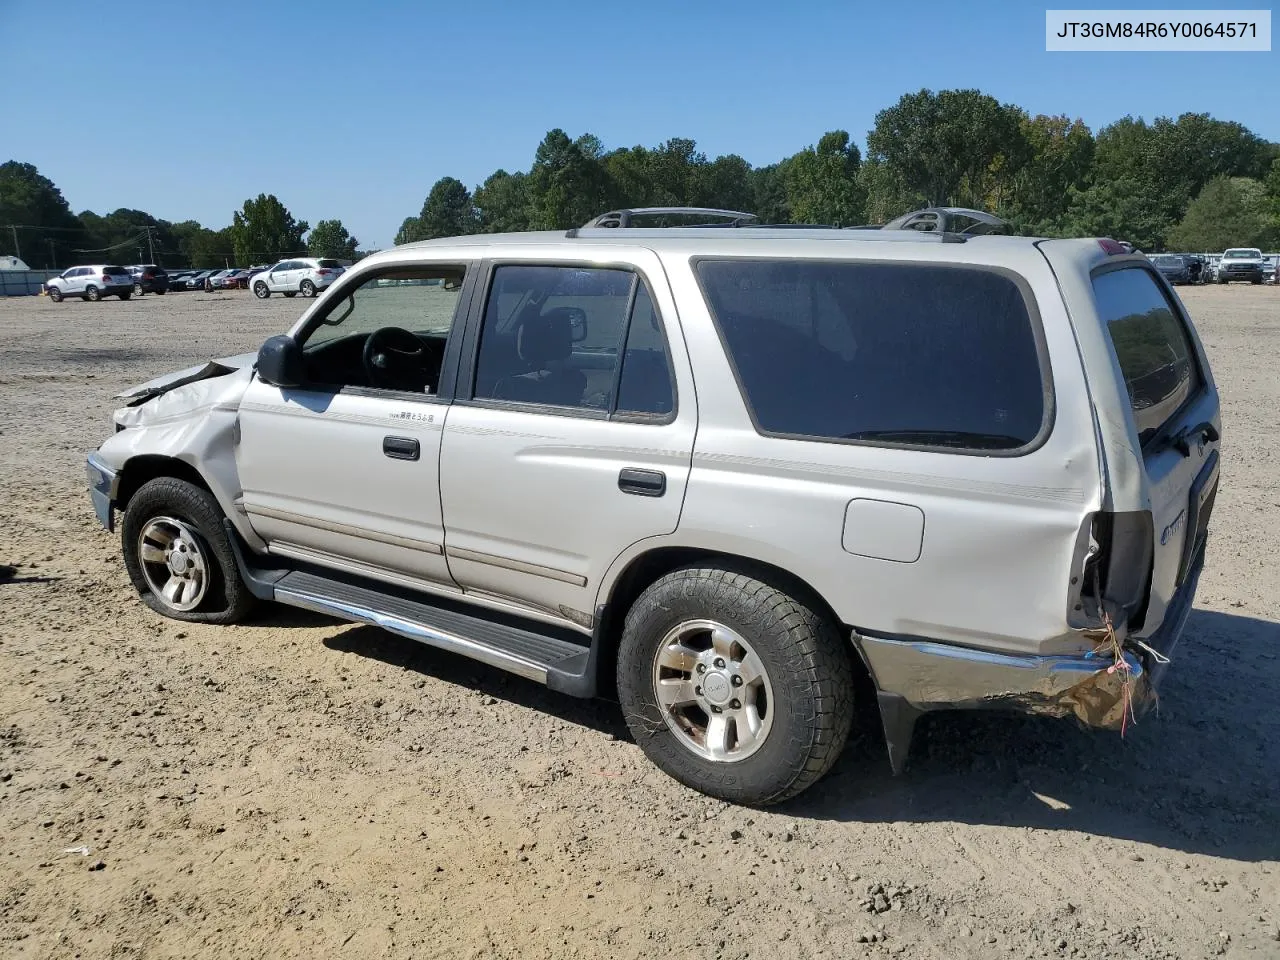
(116, 271)
(329, 263)
(1151, 343)
(903, 354)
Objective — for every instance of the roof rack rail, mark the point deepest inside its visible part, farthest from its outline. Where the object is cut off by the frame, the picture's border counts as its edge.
(963, 221)
(623, 218)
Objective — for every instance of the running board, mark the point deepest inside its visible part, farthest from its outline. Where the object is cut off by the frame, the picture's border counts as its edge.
(536, 651)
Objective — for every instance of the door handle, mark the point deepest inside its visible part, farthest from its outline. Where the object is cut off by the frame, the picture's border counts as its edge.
(643, 483)
(401, 448)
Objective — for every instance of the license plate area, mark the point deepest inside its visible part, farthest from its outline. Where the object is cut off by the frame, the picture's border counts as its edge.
(1204, 490)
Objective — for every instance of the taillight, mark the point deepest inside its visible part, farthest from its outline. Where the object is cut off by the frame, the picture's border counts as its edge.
(1111, 247)
(106, 278)
(323, 272)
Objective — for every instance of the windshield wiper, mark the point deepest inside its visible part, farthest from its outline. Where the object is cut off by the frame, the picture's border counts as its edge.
(942, 438)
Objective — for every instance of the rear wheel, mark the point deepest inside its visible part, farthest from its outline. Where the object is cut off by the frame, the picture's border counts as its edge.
(178, 555)
(261, 291)
(92, 293)
(1256, 280)
(124, 296)
(137, 288)
(159, 291)
(55, 294)
(291, 293)
(307, 289)
(733, 686)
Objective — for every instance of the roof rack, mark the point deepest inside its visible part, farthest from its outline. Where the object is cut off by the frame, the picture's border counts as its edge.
(622, 218)
(948, 220)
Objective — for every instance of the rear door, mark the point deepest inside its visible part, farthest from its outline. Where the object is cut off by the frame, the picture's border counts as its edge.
(1175, 414)
(571, 439)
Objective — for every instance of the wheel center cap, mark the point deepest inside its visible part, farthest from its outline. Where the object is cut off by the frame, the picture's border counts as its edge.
(716, 688)
(178, 562)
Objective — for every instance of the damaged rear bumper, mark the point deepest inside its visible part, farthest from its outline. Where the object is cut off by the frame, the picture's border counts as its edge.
(923, 675)
(104, 484)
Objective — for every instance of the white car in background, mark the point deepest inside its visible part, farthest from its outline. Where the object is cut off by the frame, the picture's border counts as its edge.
(305, 275)
(91, 283)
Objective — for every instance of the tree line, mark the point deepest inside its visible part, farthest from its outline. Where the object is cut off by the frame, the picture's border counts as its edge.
(1190, 183)
(1194, 183)
(37, 225)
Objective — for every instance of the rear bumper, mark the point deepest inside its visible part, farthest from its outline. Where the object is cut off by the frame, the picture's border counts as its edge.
(1091, 688)
(104, 484)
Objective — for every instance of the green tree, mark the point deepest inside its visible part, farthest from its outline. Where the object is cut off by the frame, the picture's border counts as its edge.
(887, 196)
(32, 203)
(502, 203)
(948, 146)
(201, 247)
(1229, 212)
(568, 184)
(1123, 209)
(768, 191)
(1060, 157)
(265, 230)
(725, 182)
(329, 238)
(822, 183)
(448, 211)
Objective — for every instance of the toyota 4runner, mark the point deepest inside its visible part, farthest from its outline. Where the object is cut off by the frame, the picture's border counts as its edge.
(718, 473)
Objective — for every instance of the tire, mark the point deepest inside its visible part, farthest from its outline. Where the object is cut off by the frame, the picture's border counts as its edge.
(137, 288)
(292, 293)
(1224, 282)
(159, 291)
(754, 630)
(307, 289)
(1256, 281)
(212, 590)
(55, 294)
(124, 296)
(92, 293)
(261, 290)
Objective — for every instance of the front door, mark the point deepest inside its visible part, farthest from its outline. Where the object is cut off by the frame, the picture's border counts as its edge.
(343, 470)
(278, 276)
(573, 437)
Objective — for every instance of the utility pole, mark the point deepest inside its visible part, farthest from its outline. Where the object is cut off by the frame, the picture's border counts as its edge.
(17, 251)
(151, 246)
(53, 257)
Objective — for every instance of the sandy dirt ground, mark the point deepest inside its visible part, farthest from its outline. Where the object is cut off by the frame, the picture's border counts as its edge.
(299, 787)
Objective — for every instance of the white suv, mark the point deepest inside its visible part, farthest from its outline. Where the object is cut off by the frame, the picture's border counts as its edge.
(91, 283)
(735, 475)
(305, 275)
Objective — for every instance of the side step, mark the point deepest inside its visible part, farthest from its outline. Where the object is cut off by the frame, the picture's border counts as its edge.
(536, 651)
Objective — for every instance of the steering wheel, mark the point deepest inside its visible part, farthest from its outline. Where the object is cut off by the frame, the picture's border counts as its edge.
(396, 359)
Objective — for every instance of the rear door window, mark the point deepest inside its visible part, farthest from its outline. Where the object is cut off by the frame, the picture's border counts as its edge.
(1151, 344)
(917, 355)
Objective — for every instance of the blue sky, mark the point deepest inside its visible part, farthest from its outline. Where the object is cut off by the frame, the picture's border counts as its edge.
(353, 110)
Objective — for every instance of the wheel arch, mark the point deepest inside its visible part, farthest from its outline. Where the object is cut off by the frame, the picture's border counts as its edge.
(145, 467)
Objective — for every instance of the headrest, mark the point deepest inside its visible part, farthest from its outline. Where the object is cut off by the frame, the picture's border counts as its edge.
(546, 338)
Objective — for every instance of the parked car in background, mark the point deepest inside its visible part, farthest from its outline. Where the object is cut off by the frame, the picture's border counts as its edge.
(196, 280)
(235, 279)
(214, 280)
(1269, 269)
(149, 278)
(178, 279)
(843, 507)
(305, 275)
(1172, 267)
(1195, 266)
(91, 283)
(1241, 263)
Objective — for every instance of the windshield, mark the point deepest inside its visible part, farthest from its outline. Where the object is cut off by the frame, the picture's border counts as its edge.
(1242, 254)
(1168, 261)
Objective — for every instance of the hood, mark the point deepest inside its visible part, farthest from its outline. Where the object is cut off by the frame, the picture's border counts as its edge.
(171, 381)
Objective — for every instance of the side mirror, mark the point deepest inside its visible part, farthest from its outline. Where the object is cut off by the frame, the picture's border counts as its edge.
(280, 362)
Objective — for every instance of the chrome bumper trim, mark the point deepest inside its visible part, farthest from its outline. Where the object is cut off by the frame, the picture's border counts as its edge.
(104, 484)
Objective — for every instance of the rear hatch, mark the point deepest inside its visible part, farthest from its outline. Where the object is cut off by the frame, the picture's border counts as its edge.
(117, 275)
(1175, 420)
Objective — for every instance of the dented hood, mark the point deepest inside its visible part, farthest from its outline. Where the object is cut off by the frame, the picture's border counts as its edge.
(171, 381)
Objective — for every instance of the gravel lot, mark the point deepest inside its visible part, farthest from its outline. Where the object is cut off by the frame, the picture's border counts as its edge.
(300, 787)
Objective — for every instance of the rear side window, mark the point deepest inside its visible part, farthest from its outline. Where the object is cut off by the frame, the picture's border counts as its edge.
(328, 264)
(1151, 344)
(901, 354)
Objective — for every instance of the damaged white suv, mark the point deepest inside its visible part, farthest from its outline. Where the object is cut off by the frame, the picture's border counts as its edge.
(717, 472)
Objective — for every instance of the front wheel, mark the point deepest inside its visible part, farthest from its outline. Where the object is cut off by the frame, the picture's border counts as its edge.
(92, 293)
(260, 290)
(733, 686)
(178, 555)
(291, 293)
(307, 289)
(159, 291)
(55, 294)
(137, 288)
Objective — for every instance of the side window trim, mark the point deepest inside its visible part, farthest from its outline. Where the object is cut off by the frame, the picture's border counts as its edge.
(466, 370)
